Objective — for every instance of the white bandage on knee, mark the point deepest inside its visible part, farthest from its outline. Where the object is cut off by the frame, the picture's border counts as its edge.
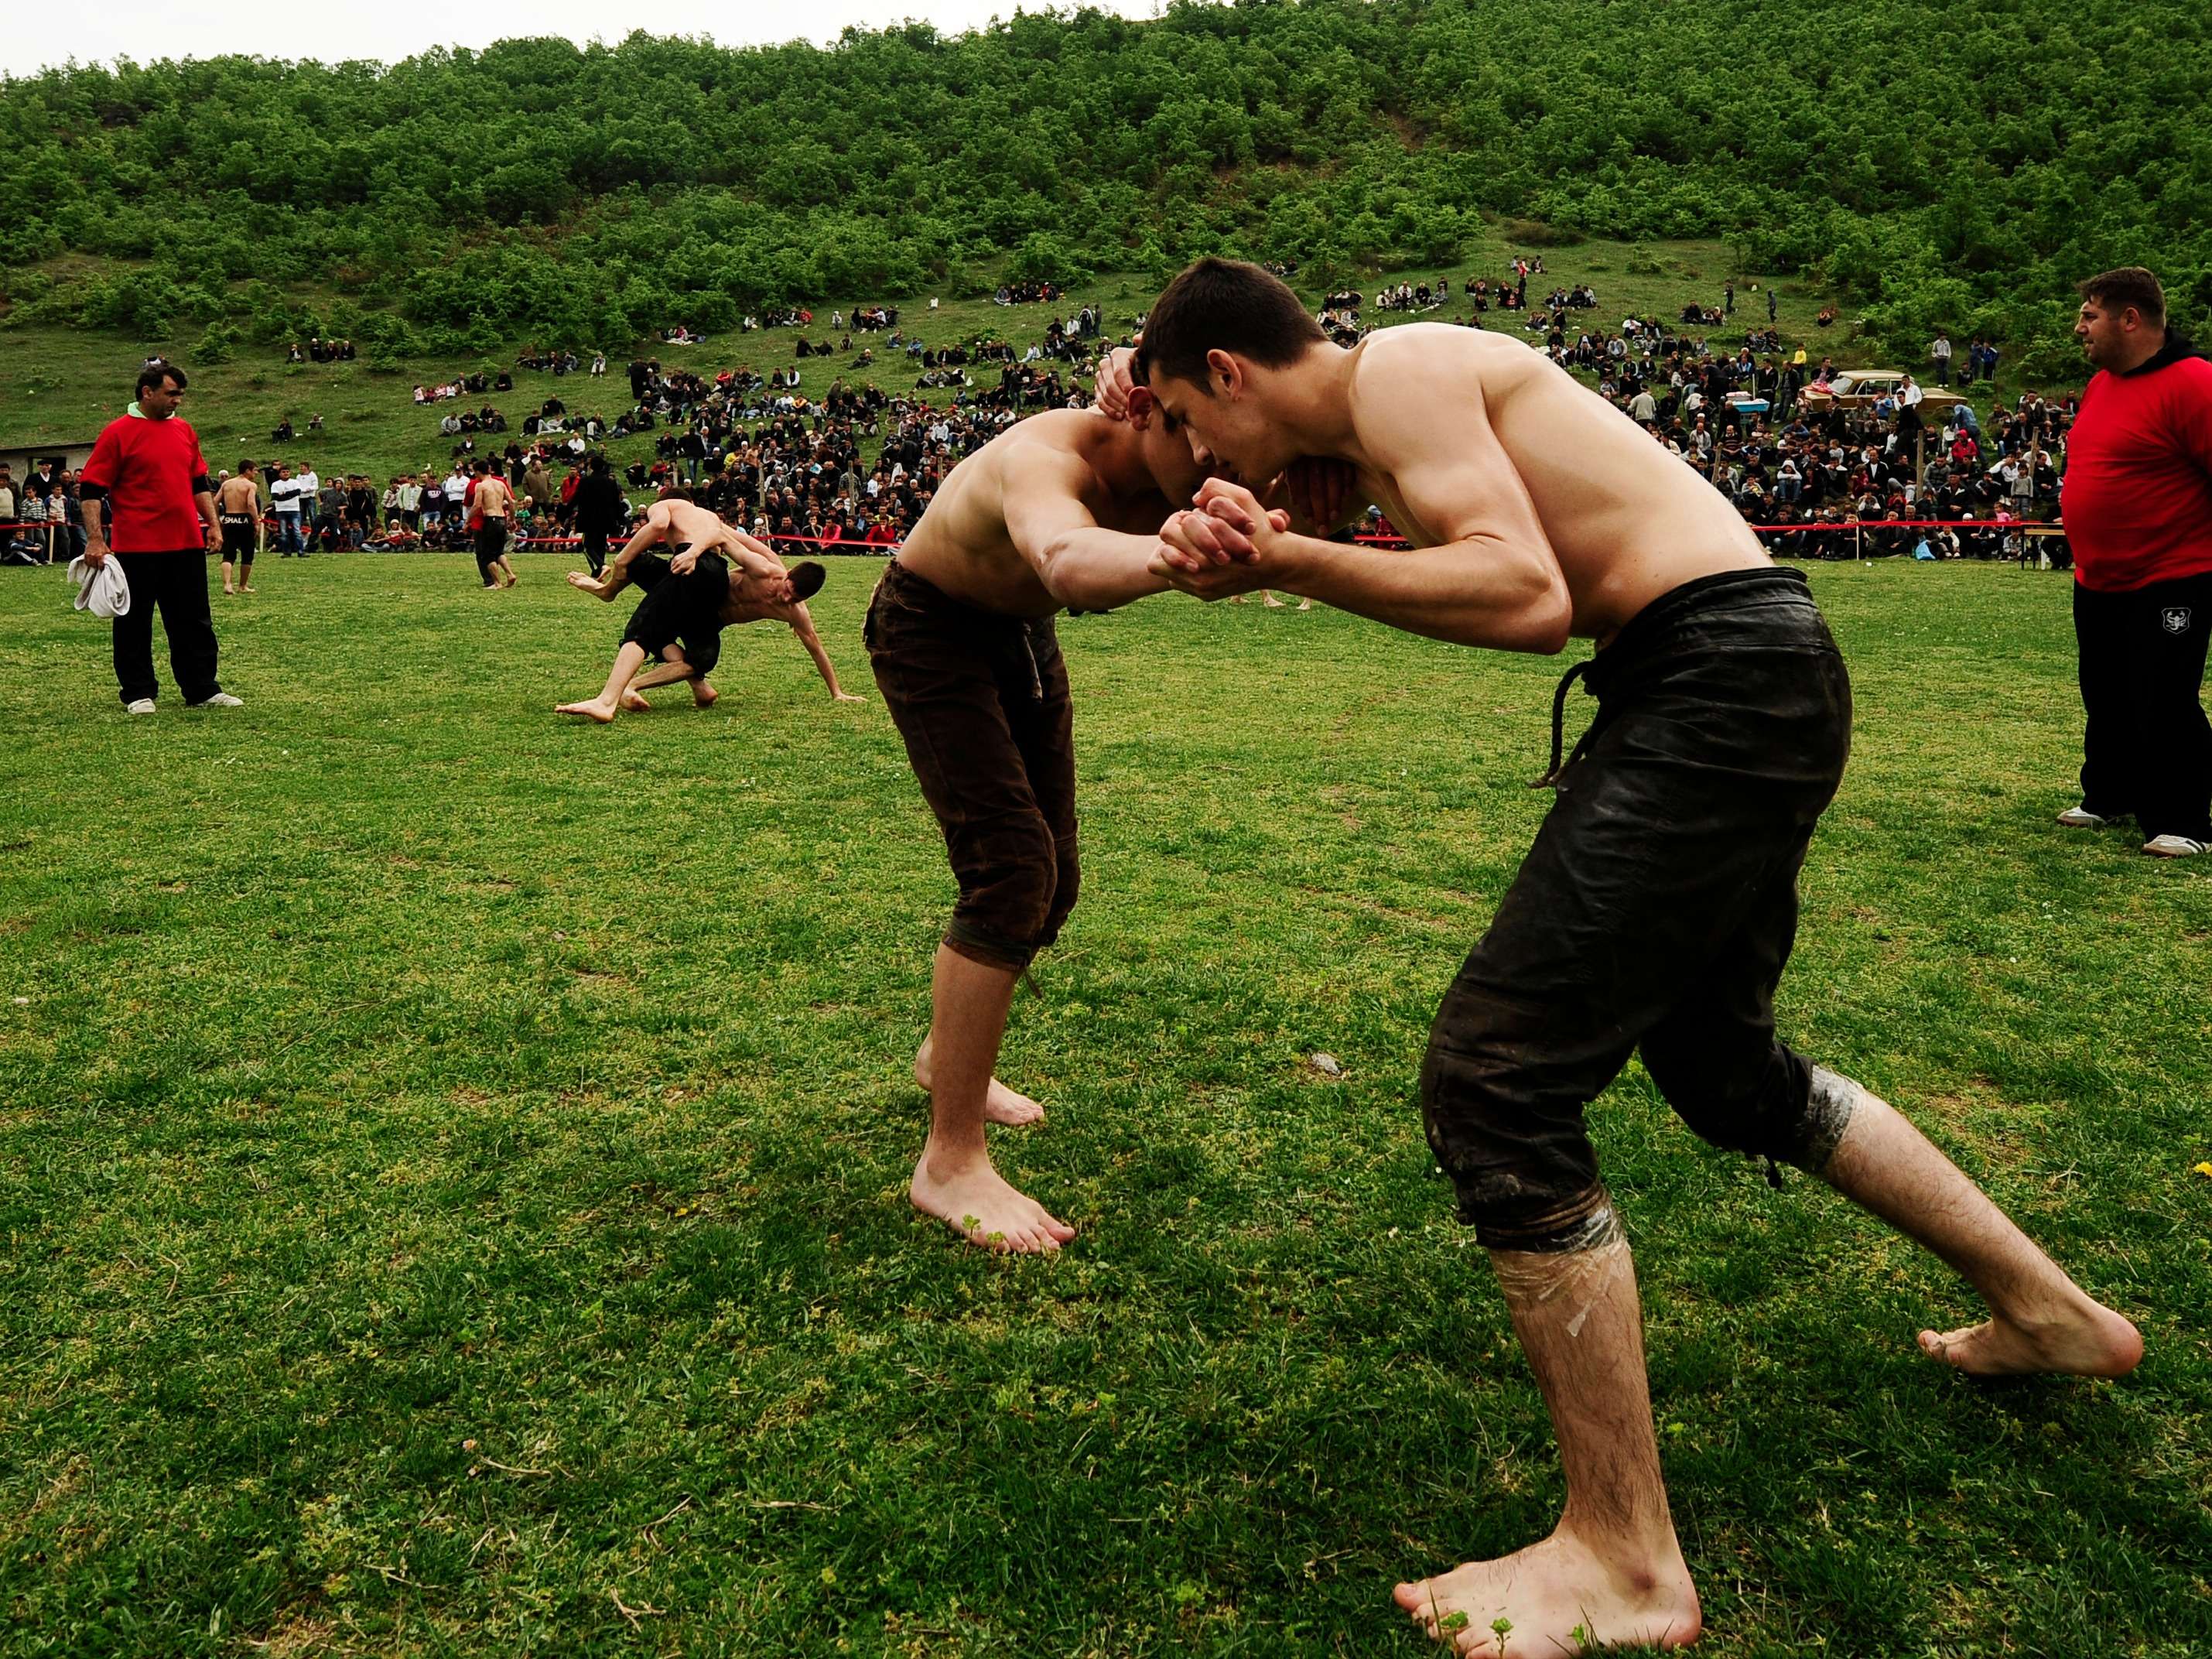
(1575, 1276)
(1829, 1108)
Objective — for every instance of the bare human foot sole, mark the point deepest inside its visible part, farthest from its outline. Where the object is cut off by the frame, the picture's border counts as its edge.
(979, 1204)
(589, 711)
(1001, 1104)
(636, 704)
(2091, 1340)
(1554, 1598)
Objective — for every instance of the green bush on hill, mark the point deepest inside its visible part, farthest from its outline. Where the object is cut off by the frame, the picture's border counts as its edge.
(1962, 165)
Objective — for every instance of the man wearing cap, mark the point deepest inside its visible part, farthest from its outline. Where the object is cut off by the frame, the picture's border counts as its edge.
(2137, 505)
(146, 468)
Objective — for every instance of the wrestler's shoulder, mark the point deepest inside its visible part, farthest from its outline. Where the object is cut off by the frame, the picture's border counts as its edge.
(1430, 350)
(1070, 430)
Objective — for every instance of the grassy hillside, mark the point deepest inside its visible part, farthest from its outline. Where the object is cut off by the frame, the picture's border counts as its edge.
(1963, 164)
(59, 383)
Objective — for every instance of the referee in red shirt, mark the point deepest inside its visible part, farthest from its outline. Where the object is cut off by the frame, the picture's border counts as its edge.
(146, 467)
(2137, 503)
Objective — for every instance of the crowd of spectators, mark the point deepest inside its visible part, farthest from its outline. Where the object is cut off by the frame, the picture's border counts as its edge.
(39, 522)
(1737, 413)
(1815, 469)
(786, 461)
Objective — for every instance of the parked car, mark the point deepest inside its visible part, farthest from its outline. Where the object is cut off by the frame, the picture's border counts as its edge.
(1859, 388)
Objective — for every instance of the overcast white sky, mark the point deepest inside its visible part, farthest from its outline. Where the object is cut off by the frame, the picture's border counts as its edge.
(390, 29)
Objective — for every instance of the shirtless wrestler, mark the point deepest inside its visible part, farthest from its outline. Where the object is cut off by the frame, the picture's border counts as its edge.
(238, 510)
(690, 598)
(1655, 911)
(1062, 510)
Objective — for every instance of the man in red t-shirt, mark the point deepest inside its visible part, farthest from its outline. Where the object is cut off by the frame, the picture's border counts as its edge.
(2137, 503)
(161, 525)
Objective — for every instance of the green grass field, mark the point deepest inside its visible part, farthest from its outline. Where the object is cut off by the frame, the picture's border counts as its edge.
(62, 385)
(452, 1160)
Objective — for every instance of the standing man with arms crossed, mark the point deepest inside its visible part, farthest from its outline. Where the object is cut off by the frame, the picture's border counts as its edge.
(1655, 911)
(2137, 504)
(238, 505)
(146, 467)
(285, 501)
(307, 491)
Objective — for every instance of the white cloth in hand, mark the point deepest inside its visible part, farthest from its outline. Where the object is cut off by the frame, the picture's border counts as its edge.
(102, 588)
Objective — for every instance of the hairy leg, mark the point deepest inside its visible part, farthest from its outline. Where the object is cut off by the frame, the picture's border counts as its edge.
(1001, 1105)
(628, 661)
(1612, 1572)
(954, 1180)
(2043, 1321)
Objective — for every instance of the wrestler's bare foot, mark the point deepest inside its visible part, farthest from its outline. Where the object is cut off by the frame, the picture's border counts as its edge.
(1001, 1104)
(704, 695)
(593, 710)
(2082, 1339)
(634, 704)
(1556, 1597)
(228, 589)
(592, 584)
(1272, 602)
(977, 1202)
(248, 588)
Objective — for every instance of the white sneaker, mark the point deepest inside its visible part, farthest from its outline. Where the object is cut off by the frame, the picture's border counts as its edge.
(2172, 847)
(220, 700)
(139, 705)
(2080, 817)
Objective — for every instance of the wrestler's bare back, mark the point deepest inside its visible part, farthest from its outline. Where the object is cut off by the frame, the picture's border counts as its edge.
(686, 523)
(239, 494)
(1625, 518)
(962, 546)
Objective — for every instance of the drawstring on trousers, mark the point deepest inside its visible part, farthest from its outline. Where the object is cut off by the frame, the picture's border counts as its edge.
(1036, 674)
(1550, 778)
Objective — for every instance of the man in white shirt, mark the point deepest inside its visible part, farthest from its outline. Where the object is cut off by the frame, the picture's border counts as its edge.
(305, 490)
(285, 497)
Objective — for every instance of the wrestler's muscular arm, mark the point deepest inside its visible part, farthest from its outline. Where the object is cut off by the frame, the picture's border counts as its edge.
(802, 624)
(1080, 563)
(1494, 581)
(753, 557)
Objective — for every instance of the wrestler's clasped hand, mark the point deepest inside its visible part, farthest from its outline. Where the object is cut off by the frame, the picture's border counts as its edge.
(1220, 546)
